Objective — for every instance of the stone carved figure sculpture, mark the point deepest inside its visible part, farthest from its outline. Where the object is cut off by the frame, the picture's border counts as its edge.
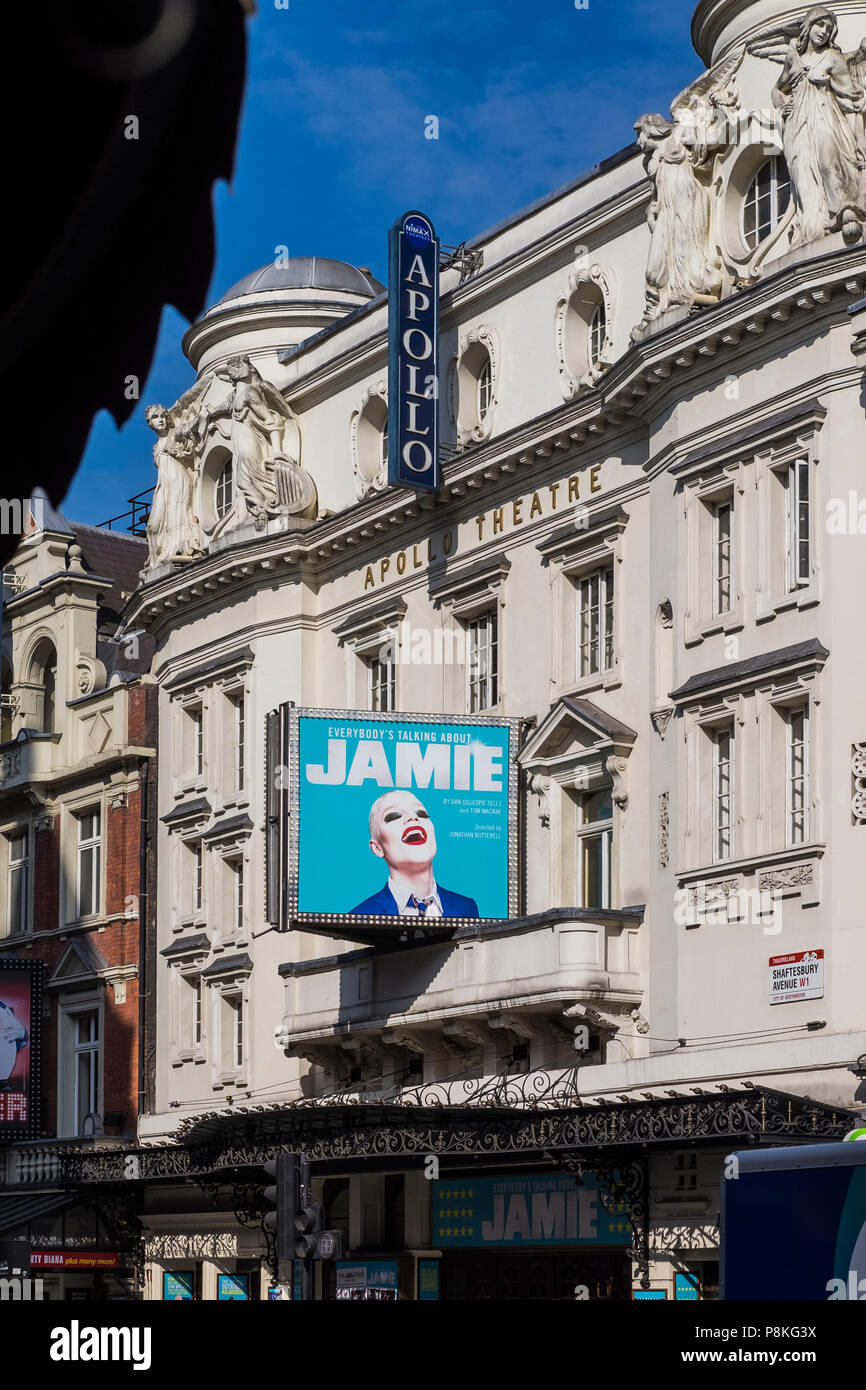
(265, 443)
(684, 266)
(820, 98)
(173, 531)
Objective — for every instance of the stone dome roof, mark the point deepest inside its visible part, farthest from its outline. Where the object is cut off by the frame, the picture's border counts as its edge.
(307, 273)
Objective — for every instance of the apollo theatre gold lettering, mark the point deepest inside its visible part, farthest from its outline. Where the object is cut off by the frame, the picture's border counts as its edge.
(575, 490)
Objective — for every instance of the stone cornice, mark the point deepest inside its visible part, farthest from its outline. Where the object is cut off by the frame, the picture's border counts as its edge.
(729, 327)
(621, 399)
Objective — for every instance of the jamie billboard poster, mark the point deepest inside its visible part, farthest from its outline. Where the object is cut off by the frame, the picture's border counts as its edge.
(404, 816)
(19, 986)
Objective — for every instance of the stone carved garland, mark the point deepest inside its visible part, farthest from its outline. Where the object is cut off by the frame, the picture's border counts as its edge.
(819, 100)
(795, 876)
(858, 783)
(664, 829)
(261, 433)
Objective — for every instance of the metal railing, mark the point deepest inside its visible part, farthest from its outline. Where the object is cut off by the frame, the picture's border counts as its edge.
(139, 511)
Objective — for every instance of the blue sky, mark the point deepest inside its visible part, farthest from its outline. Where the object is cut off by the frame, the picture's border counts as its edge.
(332, 149)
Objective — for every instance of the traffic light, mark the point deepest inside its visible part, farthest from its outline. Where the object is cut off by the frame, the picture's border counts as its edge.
(307, 1220)
(284, 1169)
(297, 1220)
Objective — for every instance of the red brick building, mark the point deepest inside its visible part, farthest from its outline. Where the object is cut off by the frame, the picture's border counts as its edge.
(77, 809)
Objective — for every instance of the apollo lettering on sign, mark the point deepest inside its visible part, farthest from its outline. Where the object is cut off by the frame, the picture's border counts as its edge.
(413, 358)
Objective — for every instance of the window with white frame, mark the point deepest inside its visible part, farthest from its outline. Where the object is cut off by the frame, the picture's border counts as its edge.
(237, 869)
(797, 774)
(798, 524)
(381, 670)
(195, 738)
(482, 662)
(238, 703)
(196, 991)
(594, 848)
(85, 1079)
(225, 490)
(195, 870)
(766, 201)
(18, 881)
(595, 639)
(723, 793)
(484, 389)
(723, 524)
(88, 863)
(597, 334)
(232, 1041)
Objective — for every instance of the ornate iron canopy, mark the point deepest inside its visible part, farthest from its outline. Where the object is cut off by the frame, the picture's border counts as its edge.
(522, 1120)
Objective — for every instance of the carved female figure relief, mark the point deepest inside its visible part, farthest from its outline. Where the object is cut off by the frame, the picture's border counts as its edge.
(268, 476)
(173, 531)
(684, 265)
(820, 100)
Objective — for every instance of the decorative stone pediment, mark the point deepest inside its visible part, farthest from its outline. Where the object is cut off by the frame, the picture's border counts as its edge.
(579, 745)
(81, 963)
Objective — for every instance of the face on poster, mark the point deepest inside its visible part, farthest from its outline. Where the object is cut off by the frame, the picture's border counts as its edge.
(403, 815)
(14, 1026)
(20, 1019)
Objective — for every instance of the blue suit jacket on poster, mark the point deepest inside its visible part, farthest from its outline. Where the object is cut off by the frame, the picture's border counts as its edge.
(383, 904)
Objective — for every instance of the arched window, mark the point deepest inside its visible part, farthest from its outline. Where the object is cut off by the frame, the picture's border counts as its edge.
(43, 673)
(597, 334)
(484, 389)
(225, 490)
(766, 201)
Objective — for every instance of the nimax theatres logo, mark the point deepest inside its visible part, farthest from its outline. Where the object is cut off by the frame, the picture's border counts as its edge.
(77, 1343)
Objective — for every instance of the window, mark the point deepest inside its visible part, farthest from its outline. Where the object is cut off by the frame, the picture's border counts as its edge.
(798, 524)
(225, 490)
(482, 664)
(195, 989)
(18, 875)
(723, 793)
(722, 540)
(766, 201)
(484, 389)
(383, 447)
(597, 334)
(382, 679)
(195, 738)
(87, 894)
(238, 895)
(595, 622)
(687, 1172)
(86, 1064)
(196, 857)
(43, 673)
(797, 775)
(595, 841)
(232, 1033)
(239, 702)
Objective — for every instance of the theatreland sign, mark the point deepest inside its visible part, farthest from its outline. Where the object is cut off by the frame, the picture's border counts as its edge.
(413, 354)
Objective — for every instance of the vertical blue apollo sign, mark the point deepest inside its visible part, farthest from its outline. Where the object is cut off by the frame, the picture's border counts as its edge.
(413, 357)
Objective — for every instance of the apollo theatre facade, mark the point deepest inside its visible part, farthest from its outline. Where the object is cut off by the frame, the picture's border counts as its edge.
(592, 711)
